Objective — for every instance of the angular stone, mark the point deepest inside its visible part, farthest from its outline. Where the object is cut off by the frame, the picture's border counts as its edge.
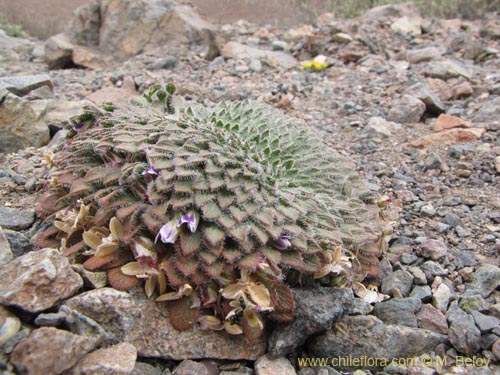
(316, 310)
(168, 62)
(444, 122)
(422, 292)
(400, 311)
(462, 90)
(485, 323)
(408, 25)
(441, 297)
(401, 280)
(408, 109)
(473, 303)
(421, 91)
(16, 219)
(58, 52)
(142, 368)
(6, 254)
(14, 49)
(19, 243)
(463, 333)
(114, 94)
(489, 110)
(22, 124)
(114, 360)
(449, 137)
(368, 336)
(118, 316)
(22, 85)
(38, 280)
(391, 11)
(441, 88)
(378, 126)
(60, 112)
(268, 366)
(432, 319)
(434, 249)
(484, 281)
(237, 51)
(49, 351)
(448, 69)
(85, 57)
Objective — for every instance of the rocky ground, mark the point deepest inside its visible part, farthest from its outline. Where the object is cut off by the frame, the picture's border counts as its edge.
(414, 102)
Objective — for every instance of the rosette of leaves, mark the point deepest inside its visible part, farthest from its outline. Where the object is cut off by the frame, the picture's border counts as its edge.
(228, 194)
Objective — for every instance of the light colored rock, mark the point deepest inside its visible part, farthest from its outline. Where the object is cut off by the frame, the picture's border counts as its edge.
(58, 52)
(434, 249)
(267, 366)
(441, 88)
(422, 91)
(448, 69)
(497, 164)
(119, 316)
(9, 325)
(299, 33)
(22, 123)
(14, 49)
(86, 58)
(462, 90)
(419, 55)
(444, 122)
(114, 94)
(407, 109)
(22, 85)
(188, 367)
(342, 38)
(38, 280)
(114, 360)
(408, 25)
(16, 219)
(391, 11)
(59, 112)
(378, 126)
(49, 351)
(237, 51)
(449, 137)
(441, 297)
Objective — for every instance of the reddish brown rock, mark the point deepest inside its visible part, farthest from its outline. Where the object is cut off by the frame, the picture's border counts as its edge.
(115, 360)
(449, 137)
(462, 90)
(432, 319)
(38, 280)
(444, 122)
(49, 351)
(114, 94)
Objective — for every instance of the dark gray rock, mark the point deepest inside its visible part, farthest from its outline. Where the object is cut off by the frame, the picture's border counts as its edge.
(463, 333)
(432, 269)
(408, 109)
(422, 292)
(316, 310)
(400, 311)
(19, 243)
(401, 280)
(168, 62)
(22, 85)
(142, 368)
(485, 323)
(488, 111)
(453, 220)
(16, 219)
(360, 336)
(484, 281)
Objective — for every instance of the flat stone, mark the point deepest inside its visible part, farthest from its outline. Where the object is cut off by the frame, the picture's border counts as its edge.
(432, 319)
(237, 51)
(419, 55)
(316, 309)
(408, 25)
(116, 316)
(38, 280)
(400, 311)
(449, 137)
(449, 122)
(16, 219)
(268, 366)
(143, 368)
(359, 336)
(418, 276)
(401, 280)
(22, 85)
(114, 360)
(49, 351)
(448, 69)
(114, 94)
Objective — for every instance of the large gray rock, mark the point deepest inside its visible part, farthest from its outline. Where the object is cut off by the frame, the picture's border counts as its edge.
(489, 111)
(316, 311)
(400, 311)
(125, 28)
(115, 316)
(22, 85)
(463, 333)
(14, 49)
(484, 281)
(391, 11)
(421, 91)
(58, 52)
(407, 109)
(367, 336)
(49, 351)
(22, 123)
(16, 219)
(38, 280)
(237, 51)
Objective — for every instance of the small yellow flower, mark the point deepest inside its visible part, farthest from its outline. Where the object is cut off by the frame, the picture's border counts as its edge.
(318, 64)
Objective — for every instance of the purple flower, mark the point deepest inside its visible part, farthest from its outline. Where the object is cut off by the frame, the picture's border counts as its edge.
(169, 232)
(282, 242)
(191, 218)
(79, 126)
(151, 171)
